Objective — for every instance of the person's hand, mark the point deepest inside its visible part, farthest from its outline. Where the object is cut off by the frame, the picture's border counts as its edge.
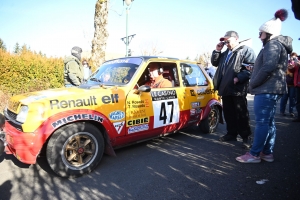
(235, 80)
(220, 46)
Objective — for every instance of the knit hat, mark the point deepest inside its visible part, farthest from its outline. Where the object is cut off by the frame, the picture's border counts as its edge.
(273, 26)
(76, 51)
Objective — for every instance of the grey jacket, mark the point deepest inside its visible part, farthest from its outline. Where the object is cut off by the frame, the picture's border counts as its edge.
(73, 71)
(269, 69)
(223, 79)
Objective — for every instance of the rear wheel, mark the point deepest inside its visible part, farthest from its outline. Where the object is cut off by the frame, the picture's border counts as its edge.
(75, 149)
(211, 122)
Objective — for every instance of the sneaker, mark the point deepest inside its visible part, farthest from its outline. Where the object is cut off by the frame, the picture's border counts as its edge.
(227, 138)
(268, 158)
(247, 143)
(296, 120)
(292, 114)
(248, 158)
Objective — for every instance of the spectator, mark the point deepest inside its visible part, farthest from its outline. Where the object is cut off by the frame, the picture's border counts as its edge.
(86, 70)
(296, 71)
(211, 70)
(268, 84)
(291, 89)
(73, 71)
(157, 79)
(231, 80)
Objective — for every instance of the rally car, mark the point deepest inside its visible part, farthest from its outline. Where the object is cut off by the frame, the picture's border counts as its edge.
(113, 108)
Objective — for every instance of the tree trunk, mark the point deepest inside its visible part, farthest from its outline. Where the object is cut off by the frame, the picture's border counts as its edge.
(100, 34)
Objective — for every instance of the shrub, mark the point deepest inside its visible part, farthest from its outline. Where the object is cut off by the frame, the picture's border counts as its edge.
(28, 71)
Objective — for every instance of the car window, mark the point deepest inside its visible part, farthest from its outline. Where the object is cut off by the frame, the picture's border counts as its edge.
(192, 75)
(116, 72)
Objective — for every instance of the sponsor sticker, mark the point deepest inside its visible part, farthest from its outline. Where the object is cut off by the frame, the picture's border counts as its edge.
(76, 117)
(119, 126)
(116, 115)
(134, 129)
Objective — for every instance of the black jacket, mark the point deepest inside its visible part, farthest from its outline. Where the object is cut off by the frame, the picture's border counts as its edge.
(223, 79)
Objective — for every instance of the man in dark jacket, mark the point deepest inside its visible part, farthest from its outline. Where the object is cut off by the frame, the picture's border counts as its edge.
(231, 80)
(73, 70)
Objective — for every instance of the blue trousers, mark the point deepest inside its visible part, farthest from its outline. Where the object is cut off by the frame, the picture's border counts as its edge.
(291, 95)
(265, 130)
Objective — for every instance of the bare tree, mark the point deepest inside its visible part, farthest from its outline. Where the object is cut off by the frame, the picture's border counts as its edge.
(204, 59)
(150, 49)
(100, 34)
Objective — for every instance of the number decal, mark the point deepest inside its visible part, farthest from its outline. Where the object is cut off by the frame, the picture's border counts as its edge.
(165, 107)
(163, 115)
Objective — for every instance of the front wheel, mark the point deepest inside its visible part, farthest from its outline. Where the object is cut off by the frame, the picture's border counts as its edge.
(211, 122)
(75, 149)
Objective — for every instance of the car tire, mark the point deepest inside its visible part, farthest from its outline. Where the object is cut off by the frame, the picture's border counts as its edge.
(211, 122)
(75, 149)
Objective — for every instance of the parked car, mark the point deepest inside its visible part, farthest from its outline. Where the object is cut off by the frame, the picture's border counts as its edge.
(113, 108)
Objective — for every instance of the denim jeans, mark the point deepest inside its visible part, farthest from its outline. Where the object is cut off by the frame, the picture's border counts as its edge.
(265, 130)
(291, 95)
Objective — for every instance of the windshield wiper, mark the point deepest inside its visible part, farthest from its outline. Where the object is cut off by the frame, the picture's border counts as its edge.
(95, 79)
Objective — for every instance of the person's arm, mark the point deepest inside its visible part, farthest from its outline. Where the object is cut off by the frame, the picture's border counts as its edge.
(270, 63)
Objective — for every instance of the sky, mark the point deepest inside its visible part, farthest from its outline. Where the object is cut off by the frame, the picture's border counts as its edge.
(177, 28)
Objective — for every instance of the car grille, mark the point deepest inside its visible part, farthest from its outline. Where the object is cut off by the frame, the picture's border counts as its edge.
(11, 115)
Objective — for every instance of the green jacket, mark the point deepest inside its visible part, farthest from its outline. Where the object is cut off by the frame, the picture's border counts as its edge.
(73, 71)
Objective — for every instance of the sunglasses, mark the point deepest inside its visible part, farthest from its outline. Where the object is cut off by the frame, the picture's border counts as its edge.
(260, 33)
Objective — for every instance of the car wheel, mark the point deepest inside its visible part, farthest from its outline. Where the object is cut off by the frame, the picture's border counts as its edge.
(211, 122)
(75, 149)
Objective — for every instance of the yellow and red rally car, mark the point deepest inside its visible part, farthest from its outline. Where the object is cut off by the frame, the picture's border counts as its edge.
(113, 108)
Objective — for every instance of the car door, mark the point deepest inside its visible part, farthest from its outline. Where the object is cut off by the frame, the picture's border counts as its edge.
(158, 111)
(196, 87)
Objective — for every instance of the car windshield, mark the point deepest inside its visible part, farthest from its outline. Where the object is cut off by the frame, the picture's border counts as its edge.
(115, 72)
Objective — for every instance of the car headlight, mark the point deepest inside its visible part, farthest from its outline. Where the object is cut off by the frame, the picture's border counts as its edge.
(21, 117)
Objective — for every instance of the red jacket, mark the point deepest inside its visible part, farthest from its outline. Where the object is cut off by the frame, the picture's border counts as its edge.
(296, 72)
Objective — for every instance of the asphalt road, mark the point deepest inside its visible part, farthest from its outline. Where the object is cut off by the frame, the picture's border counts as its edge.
(185, 165)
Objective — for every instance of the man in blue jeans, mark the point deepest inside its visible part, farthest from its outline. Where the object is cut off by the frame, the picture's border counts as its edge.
(268, 84)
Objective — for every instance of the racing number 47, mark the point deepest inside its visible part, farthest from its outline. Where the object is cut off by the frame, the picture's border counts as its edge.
(163, 111)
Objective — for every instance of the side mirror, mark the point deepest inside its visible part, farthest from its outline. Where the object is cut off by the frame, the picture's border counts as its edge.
(144, 88)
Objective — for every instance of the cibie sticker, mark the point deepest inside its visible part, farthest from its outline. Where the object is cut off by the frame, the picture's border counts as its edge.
(119, 126)
(116, 115)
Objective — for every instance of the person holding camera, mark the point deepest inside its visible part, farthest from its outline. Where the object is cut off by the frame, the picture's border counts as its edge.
(295, 69)
(231, 80)
(290, 95)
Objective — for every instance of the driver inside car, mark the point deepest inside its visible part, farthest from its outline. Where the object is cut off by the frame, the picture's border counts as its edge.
(156, 76)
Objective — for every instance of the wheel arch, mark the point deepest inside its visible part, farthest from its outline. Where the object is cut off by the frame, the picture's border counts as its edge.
(210, 104)
(46, 130)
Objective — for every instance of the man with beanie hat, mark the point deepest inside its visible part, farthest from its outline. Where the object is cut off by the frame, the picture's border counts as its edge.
(268, 84)
(231, 80)
(73, 70)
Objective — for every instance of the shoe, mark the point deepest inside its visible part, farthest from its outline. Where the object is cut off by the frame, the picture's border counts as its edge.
(282, 114)
(292, 114)
(247, 143)
(268, 158)
(227, 138)
(296, 120)
(248, 158)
